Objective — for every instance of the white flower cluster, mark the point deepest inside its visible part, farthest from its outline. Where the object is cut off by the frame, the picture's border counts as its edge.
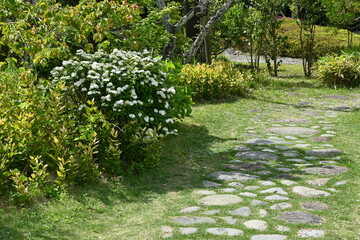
(130, 84)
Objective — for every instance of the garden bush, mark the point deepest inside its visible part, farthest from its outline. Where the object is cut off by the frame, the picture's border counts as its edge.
(134, 91)
(340, 71)
(216, 81)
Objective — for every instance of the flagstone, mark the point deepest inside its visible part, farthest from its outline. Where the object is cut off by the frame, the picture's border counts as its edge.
(193, 220)
(225, 231)
(232, 176)
(309, 192)
(220, 200)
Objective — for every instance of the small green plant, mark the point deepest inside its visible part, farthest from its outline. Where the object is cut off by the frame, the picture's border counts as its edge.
(216, 81)
(340, 71)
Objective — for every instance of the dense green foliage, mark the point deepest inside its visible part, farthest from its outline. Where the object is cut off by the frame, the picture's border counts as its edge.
(340, 71)
(218, 81)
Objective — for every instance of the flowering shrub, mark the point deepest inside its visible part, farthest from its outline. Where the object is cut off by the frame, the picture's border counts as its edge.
(132, 89)
(340, 71)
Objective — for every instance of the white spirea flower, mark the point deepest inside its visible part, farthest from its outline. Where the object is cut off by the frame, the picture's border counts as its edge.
(162, 112)
(132, 116)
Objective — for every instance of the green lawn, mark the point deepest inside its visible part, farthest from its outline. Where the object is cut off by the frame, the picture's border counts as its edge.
(137, 207)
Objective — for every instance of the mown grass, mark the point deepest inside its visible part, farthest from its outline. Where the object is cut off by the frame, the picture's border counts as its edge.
(137, 207)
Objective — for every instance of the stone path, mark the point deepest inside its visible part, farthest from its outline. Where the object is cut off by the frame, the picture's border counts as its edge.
(278, 186)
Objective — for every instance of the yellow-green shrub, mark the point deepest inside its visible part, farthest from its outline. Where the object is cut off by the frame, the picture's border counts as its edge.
(215, 81)
(340, 71)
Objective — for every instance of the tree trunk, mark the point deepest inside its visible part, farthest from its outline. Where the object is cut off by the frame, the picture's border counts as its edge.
(189, 56)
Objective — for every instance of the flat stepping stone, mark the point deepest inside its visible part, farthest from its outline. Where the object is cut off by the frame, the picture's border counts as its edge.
(258, 203)
(225, 231)
(235, 184)
(285, 176)
(209, 184)
(233, 176)
(342, 97)
(276, 198)
(309, 192)
(190, 209)
(341, 108)
(339, 183)
(261, 141)
(292, 120)
(321, 139)
(291, 154)
(306, 233)
(252, 187)
(212, 212)
(300, 217)
(283, 205)
(205, 192)
(257, 155)
(265, 172)
(248, 194)
(288, 182)
(220, 200)
(282, 228)
(242, 148)
(293, 131)
(330, 170)
(187, 231)
(256, 224)
(283, 147)
(168, 231)
(245, 166)
(243, 211)
(229, 190)
(268, 237)
(193, 220)
(229, 220)
(278, 190)
(318, 182)
(284, 169)
(263, 213)
(315, 206)
(267, 183)
(323, 152)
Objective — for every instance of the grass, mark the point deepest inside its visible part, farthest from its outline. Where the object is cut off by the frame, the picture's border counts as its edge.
(136, 208)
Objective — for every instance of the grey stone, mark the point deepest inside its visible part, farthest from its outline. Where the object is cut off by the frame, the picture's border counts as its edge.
(233, 176)
(284, 176)
(242, 148)
(327, 162)
(205, 192)
(264, 162)
(186, 231)
(278, 190)
(276, 198)
(332, 189)
(225, 231)
(311, 113)
(318, 182)
(265, 172)
(229, 220)
(267, 183)
(341, 108)
(303, 165)
(288, 182)
(256, 224)
(283, 205)
(243, 211)
(282, 228)
(193, 220)
(263, 213)
(252, 187)
(260, 141)
(291, 137)
(292, 120)
(236, 161)
(311, 158)
(342, 97)
(315, 206)
(305, 145)
(257, 155)
(309, 192)
(258, 202)
(244, 166)
(340, 183)
(235, 184)
(229, 190)
(209, 184)
(220, 200)
(300, 217)
(321, 139)
(190, 209)
(297, 160)
(284, 169)
(293, 130)
(283, 147)
(268, 237)
(323, 152)
(212, 212)
(168, 231)
(248, 194)
(306, 233)
(291, 154)
(330, 170)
